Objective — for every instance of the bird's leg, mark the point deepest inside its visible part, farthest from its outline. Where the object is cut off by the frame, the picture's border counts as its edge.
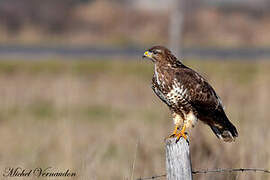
(175, 131)
(181, 134)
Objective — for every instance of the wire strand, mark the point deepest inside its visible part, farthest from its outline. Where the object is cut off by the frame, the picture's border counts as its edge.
(214, 171)
(231, 170)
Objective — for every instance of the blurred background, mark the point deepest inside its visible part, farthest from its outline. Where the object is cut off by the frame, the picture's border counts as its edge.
(75, 93)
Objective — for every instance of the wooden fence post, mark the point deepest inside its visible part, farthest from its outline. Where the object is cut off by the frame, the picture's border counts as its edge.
(178, 164)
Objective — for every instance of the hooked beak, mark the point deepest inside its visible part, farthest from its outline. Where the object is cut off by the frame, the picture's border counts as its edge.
(147, 54)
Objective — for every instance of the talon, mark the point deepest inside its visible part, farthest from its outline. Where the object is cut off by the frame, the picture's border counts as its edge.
(179, 135)
(174, 134)
(182, 133)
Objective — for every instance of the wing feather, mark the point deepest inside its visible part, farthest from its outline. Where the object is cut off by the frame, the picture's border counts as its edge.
(203, 97)
(200, 93)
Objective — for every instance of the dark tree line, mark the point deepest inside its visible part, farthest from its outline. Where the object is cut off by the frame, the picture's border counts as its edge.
(53, 16)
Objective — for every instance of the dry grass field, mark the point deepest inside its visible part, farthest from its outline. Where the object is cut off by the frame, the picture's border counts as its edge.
(94, 117)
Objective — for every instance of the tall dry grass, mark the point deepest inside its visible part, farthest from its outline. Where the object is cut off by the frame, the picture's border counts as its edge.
(94, 116)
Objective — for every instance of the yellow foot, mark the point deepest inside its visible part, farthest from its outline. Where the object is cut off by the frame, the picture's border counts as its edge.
(180, 134)
(175, 131)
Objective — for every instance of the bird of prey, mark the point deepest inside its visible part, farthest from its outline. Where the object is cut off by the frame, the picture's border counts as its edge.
(188, 95)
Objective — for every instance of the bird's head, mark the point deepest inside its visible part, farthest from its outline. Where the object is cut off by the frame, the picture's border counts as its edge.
(160, 54)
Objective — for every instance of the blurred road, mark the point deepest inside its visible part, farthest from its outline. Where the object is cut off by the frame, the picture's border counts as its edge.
(41, 52)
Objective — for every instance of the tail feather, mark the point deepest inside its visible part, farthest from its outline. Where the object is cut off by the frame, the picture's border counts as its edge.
(223, 128)
(228, 135)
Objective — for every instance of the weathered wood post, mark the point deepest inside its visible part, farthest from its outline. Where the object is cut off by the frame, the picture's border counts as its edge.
(178, 164)
(176, 27)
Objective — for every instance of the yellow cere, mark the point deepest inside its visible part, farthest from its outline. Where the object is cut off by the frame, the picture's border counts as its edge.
(148, 54)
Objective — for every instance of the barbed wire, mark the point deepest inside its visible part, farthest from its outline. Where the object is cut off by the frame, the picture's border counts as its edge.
(231, 170)
(153, 177)
(214, 171)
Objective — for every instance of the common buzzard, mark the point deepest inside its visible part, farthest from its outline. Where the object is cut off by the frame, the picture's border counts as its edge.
(189, 96)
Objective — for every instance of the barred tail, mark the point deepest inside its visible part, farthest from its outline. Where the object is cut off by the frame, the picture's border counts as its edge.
(223, 128)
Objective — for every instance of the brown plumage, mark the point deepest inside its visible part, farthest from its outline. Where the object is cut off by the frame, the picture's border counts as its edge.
(189, 96)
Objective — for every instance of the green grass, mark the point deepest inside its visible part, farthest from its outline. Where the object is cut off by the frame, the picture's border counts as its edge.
(141, 68)
(89, 115)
